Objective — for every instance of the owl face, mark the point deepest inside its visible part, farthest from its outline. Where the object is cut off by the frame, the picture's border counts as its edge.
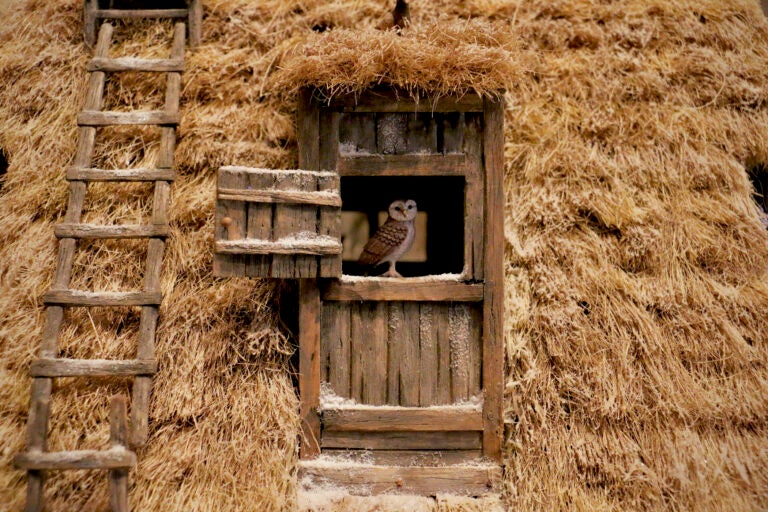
(403, 210)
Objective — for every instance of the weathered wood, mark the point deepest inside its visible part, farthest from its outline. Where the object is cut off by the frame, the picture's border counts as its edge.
(80, 459)
(308, 127)
(463, 440)
(422, 480)
(329, 139)
(375, 353)
(459, 332)
(357, 335)
(335, 336)
(434, 419)
(405, 458)
(389, 100)
(475, 352)
(451, 132)
(493, 303)
(357, 134)
(452, 164)
(409, 360)
(317, 247)
(396, 289)
(281, 196)
(309, 366)
(396, 333)
(285, 222)
(329, 224)
(259, 224)
(474, 221)
(421, 133)
(134, 64)
(427, 355)
(443, 344)
(89, 21)
(94, 231)
(141, 13)
(113, 118)
(391, 133)
(84, 174)
(118, 436)
(236, 229)
(195, 20)
(83, 298)
(91, 367)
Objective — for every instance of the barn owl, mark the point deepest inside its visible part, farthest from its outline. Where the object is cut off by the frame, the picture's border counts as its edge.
(393, 238)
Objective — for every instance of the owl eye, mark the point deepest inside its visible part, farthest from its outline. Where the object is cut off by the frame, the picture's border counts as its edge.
(410, 207)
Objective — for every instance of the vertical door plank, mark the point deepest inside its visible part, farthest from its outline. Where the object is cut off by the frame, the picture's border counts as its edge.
(375, 358)
(309, 366)
(330, 225)
(236, 230)
(443, 341)
(358, 333)
(395, 334)
(259, 224)
(473, 213)
(409, 358)
(338, 342)
(493, 300)
(306, 222)
(357, 134)
(421, 133)
(427, 356)
(459, 332)
(286, 224)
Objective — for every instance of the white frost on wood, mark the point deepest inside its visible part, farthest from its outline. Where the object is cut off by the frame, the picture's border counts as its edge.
(277, 172)
(350, 148)
(331, 401)
(458, 334)
(433, 278)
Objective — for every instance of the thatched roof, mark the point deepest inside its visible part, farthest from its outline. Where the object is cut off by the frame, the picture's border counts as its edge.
(636, 259)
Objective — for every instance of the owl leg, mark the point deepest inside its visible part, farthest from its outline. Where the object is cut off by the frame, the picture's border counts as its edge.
(391, 272)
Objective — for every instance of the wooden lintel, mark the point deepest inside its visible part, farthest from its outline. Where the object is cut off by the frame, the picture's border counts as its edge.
(60, 367)
(423, 480)
(409, 440)
(389, 100)
(434, 419)
(403, 290)
(451, 164)
(280, 196)
(255, 246)
(81, 459)
(135, 64)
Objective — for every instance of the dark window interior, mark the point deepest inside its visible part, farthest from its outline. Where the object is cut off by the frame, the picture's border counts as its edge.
(758, 174)
(142, 4)
(3, 163)
(441, 198)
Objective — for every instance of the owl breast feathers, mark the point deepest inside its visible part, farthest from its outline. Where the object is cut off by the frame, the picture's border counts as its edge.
(389, 236)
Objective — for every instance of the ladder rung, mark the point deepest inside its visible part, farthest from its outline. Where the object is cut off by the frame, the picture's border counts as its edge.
(114, 458)
(96, 231)
(60, 367)
(83, 298)
(92, 174)
(142, 13)
(109, 118)
(135, 64)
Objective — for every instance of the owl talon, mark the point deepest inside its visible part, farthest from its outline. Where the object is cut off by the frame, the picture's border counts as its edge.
(391, 273)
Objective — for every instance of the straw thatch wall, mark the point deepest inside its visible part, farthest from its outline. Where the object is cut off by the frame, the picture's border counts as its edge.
(637, 264)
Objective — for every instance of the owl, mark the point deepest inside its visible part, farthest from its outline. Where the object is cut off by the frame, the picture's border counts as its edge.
(393, 238)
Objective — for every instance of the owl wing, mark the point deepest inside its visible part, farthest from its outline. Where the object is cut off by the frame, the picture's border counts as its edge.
(388, 238)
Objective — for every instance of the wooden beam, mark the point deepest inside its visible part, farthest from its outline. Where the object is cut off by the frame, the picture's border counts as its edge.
(408, 457)
(453, 164)
(134, 64)
(195, 20)
(318, 247)
(434, 419)
(388, 100)
(94, 231)
(407, 440)
(60, 367)
(309, 367)
(82, 298)
(493, 301)
(280, 196)
(118, 438)
(80, 459)
(141, 13)
(396, 289)
(140, 117)
(423, 480)
(92, 174)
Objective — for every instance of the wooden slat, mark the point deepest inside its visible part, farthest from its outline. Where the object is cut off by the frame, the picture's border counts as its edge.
(493, 303)
(112, 118)
(60, 367)
(118, 438)
(85, 174)
(427, 355)
(335, 339)
(281, 196)
(235, 230)
(463, 440)
(329, 224)
(357, 134)
(391, 134)
(396, 334)
(141, 13)
(317, 247)
(285, 221)
(93, 231)
(474, 223)
(422, 480)
(82, 298)
(375, 318)
(434, 419)
(408, 457)
(389, 100)
(80, 459)
(357, 336)
(309, 366)
(403, 290)
(443, 343)
(134, 64)
(195, 22)
(459, 331)
(259, 224)
(409, 359)
(452, 164)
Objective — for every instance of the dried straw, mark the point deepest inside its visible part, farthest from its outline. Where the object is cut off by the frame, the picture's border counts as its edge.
(636, 260)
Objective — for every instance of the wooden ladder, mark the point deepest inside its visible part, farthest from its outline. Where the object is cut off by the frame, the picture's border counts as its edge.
(118, 458)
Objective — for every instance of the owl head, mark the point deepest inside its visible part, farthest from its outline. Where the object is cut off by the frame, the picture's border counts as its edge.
(403, 210)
